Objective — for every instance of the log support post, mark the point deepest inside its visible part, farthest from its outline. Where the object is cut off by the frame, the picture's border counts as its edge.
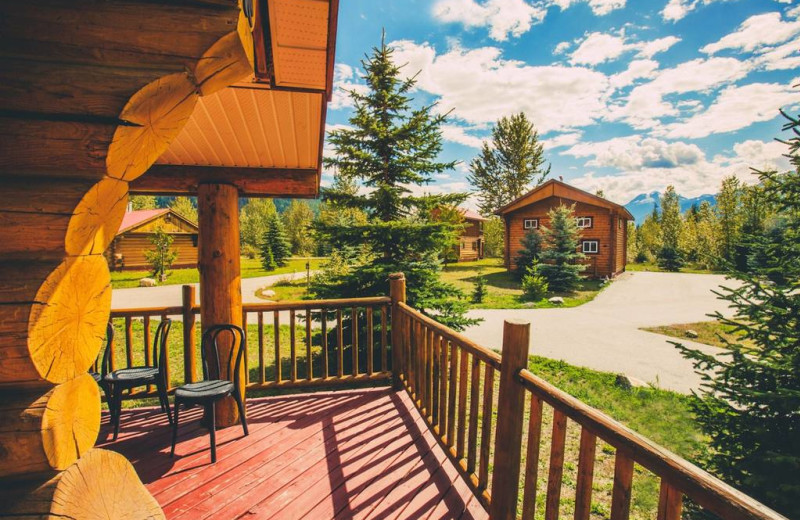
(397, 292)
(510, 415)
(220, 274)
(189, 341)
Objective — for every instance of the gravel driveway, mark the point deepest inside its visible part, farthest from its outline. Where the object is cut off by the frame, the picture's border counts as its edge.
(604, 333)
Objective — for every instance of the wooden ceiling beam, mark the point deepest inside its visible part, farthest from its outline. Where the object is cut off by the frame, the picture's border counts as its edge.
(167, 179)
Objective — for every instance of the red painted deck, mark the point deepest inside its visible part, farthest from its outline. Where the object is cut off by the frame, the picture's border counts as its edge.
(344, 454)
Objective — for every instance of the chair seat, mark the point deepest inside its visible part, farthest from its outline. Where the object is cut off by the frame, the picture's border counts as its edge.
(97, 377)
(204, 389)
(130, 375)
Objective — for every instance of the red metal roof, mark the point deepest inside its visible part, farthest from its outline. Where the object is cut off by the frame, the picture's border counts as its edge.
(471, 215)
(134, 218)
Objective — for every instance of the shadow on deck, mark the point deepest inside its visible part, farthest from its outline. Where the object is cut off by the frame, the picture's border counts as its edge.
(344, 454)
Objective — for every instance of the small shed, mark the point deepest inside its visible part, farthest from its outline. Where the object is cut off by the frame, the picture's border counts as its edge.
(470, 244)
(603, 225)
(134, 239)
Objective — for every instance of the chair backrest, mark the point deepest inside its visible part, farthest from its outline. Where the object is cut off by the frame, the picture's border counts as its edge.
(105, 364)
(231, 338)
(160, 347)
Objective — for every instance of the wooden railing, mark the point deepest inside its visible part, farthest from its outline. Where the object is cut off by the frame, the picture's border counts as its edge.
(287, 344)
(495, 442)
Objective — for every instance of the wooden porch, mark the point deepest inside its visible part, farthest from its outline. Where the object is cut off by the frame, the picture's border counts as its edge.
(346, 454)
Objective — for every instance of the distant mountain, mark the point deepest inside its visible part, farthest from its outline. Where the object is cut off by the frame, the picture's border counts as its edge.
(642, 204)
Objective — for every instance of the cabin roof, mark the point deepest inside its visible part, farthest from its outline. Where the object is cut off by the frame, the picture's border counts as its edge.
(137, 218)
(555, 188)
(471, 215)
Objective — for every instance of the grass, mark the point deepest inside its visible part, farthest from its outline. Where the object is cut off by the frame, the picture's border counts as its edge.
(251, 268)
(285, 290)
(503, 289)
(708, 332)
(652, 267)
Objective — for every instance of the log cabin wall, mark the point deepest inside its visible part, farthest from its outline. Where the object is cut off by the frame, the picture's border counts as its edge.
(129, 248)
(470, 244)
(91, 94)
(599, 264)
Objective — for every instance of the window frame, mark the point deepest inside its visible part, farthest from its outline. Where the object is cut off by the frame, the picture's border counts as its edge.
(579, 219)
(591, 241)
(534, 223)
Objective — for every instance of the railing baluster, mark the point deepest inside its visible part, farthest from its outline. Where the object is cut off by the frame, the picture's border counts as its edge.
(430, 357)
(148, 354)
(339, 343)
(532, 458)
(309, 365)
(166, 360)
(246, 350)
(112, 359)
(462, 404)
(623, 479)
(556, 473)
(474, 403)
(128, 341)
(451, 397)
(384, 341)
(370, 341)
(354, 330)
(583, 490)
(189, 339)
(442, 390)
(292, 346)
(670, 502)
(261, 369)
(324, 330)
(276, 325)
(486, 427)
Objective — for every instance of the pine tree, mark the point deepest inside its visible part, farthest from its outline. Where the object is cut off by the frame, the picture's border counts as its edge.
(389, 147)
(560, 257)
(749, 401)
(254, 219)
(479, 292)
(299, 217)
(670, 256)
(728, 210)
(161, 256)
(275, 248)
(530, 252)
(513, 163)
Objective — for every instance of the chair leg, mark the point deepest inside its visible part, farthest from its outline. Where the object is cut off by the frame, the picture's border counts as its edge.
(175, 428)
(109, 393)
(212, 427)
(117, 409)
(242, 415)
(162, 396)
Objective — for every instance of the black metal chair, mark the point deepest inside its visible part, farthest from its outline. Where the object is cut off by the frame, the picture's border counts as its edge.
(212, 388)
(105, 367)
(134, 377)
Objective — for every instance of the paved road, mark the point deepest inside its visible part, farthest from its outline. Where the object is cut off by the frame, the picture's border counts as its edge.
(168, 295)
(604, 333)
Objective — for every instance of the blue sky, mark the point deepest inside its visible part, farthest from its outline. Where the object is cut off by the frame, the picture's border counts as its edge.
(628, 95)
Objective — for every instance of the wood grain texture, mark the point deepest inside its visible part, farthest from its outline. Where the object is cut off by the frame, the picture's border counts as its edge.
(583, 490)
(223, 64)
(621, 493)
(556, 472)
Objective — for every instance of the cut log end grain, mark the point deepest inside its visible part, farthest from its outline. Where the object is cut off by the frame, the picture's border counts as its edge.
(153, 118)
(224, 64)
(102, 485)
(97, 218)
(42, 431)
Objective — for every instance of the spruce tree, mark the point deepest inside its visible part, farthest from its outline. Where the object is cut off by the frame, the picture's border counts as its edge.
(275, 248)
(749, 403)
(390, 146)
(670, 257)
(561, 261)
(530, 252)
(512, 164)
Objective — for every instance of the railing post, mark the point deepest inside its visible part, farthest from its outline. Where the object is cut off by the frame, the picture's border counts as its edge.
(189, 341)
(510, 415)
(397, 292)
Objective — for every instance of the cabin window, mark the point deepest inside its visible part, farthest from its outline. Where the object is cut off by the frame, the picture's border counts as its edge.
(583, 222)
(474, 246)
(530, 223)
(590, 247)
(619, 223)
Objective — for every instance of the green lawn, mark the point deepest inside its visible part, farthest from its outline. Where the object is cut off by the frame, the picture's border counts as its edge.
(708, 332)
(285, 290)
(654, 268)
(504, 290)
(251, 268)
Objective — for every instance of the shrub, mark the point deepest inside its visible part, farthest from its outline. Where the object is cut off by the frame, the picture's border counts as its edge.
(480, 292)
(534, 285)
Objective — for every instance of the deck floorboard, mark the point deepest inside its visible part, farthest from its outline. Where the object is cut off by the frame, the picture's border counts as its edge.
(344, 455)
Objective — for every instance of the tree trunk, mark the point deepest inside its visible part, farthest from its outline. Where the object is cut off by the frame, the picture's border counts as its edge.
(101, 485)
(42, 431)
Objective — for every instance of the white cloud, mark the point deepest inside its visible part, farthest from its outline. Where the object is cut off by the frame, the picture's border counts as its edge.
(599, 7)
(735, 108)
(782, 57)
(344, 81)
(560, 140)
(761, 155)
(458, 134)
(597, 48)
(637, 69)
(677, 9)
(756, 32)
(635, 152)
(562, 47)
(504, 18)
(480, 86)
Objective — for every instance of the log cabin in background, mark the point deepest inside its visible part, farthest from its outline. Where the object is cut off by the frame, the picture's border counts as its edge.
(471, 242)
(135, 237)
(603, 225)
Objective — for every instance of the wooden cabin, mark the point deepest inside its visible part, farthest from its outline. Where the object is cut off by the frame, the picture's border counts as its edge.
(471, 242)
(134, 239)
(603, 225)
